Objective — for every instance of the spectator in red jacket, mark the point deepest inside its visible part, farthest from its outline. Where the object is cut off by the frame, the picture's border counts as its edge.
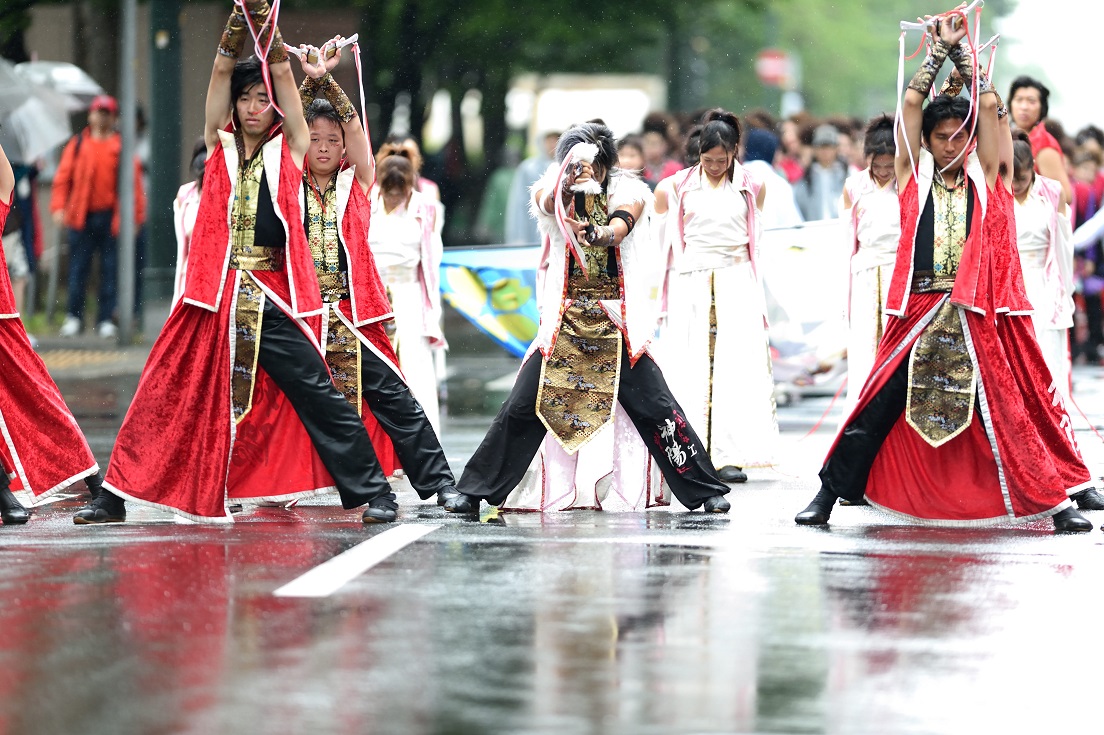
(85, 200)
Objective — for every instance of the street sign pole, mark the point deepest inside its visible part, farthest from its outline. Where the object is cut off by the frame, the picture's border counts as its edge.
(128, 103)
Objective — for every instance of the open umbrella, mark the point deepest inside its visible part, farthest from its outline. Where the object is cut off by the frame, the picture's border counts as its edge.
(60, 76)
(34, 118)
(13, 86)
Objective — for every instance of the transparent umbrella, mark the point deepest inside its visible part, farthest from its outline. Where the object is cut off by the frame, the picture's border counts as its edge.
(60, 76)
(34, 118)
(13, 86)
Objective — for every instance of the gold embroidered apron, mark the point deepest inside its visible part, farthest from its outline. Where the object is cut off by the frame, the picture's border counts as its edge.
(342, 347)
(712, 360)
(245, 256)
(578, 385)
(942, 378)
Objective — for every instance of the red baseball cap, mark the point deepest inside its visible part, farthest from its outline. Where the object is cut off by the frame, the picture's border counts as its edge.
(104, 102)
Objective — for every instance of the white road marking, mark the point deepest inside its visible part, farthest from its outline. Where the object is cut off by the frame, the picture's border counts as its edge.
(52, 499)
(330, 576)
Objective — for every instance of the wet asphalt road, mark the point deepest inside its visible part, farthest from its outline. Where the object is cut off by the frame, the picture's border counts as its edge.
(580, 622)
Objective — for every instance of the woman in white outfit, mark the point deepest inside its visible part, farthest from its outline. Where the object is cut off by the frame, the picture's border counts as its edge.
(873, 216)
(407, 249)
(185, 211)
(1043, 236)
(717, 330)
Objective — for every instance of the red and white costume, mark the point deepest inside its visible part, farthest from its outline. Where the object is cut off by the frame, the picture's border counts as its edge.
(1016, 458)
(180, 448)
(41, 447)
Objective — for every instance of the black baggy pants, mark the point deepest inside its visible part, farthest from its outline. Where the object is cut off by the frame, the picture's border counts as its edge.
(847, 468)
(403, 419)
(516, 434)
(333, 425)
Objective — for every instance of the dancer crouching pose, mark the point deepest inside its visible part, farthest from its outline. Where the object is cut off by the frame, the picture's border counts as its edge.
(590, 349)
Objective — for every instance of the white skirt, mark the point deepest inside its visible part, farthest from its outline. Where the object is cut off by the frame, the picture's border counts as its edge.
(869, 288)
(1054, 343)
(416, 357)
(731, 408)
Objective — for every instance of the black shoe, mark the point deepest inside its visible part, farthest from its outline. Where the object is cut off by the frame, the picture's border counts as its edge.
(106, 507)
(445, 493)
(94, 483)
(819, 511)
(383, 509)
(12, 512)
(1070, 521)
(716, 504)
(845, 501)
(1088, 499)
(728, 473)
(461, 503)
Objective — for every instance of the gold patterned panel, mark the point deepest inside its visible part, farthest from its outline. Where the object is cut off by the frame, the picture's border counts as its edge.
(257, 258)
(942, 380)
(950, 207)
(578, 386)
(324, 239)
(343, 358)
(248, 312)
(712, 359)
(243, 212)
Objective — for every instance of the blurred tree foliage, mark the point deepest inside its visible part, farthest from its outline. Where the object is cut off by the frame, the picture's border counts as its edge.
(706, 50)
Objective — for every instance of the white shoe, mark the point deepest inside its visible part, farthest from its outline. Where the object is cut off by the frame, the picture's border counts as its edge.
(107, 330)
(71, 327)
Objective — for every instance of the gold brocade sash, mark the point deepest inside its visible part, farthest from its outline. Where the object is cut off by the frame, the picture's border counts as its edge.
(942, 379)
(248, 311)
(343, 359)
(578, 386)
(256, 258)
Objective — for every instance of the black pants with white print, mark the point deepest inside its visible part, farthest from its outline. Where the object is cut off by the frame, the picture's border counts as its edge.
(516, 434)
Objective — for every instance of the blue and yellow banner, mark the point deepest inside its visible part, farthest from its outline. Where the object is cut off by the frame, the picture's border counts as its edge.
(496, 290)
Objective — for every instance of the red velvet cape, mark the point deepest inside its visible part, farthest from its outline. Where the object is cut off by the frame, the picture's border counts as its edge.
(1018, 458)
(41, 447)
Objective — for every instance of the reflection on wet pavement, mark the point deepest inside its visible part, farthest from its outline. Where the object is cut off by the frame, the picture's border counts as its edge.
(572, 622)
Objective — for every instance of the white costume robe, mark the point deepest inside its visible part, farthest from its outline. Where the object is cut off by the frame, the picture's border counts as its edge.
(728, 396)
(1046, 257)
(408, 249)
(874, 227)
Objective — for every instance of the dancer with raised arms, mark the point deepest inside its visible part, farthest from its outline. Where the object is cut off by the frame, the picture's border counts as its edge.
(338, 176)
(236, 368)
(952, 426)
